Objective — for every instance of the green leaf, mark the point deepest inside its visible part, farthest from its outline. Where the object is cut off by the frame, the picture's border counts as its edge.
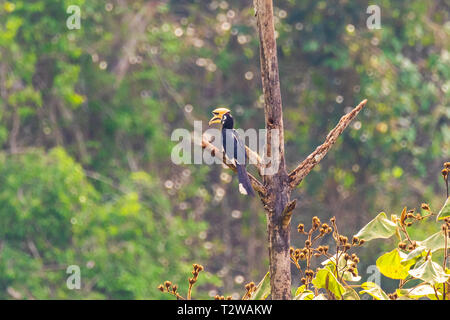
(303, 294)
(445, 211)
(423, 290)
(350, 294)
(430, 272)
(374, 290)
(262, 289)
(379, 227)
(390, 265)
(434, 243)
(325, 279)
(416, 254)
(300, 289)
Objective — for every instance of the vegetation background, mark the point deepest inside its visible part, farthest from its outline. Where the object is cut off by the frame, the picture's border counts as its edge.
(86, 117)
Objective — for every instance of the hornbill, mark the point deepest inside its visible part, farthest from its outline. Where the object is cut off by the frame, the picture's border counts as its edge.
(234, 148)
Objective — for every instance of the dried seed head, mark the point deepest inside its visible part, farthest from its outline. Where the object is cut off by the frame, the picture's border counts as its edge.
(315, 223)
(447, 165)
(291, 250)
(161, 288)
(167, 284)
(343, 239)
(192, 281)
(361, 242)
(425, 206)
(301, 228)
(307, 243)
(174, 288)
(393, 296)
(309, 273)
(445, 173)
(303, 280)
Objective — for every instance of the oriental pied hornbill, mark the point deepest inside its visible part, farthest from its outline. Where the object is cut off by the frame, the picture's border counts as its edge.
(234, 148)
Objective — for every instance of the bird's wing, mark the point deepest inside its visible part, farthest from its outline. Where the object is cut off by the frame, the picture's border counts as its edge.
(234, 146)
(239, 151)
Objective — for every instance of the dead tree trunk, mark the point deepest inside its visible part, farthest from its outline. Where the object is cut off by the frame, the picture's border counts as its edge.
(276, 183)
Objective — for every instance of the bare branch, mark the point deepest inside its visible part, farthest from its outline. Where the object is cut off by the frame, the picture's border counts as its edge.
(304, 168)
(137, 26)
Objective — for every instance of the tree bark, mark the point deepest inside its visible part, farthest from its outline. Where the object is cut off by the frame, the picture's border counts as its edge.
(276, 183)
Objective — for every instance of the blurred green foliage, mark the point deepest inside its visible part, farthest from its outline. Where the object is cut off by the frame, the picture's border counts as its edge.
(53, 217)
(86, 117)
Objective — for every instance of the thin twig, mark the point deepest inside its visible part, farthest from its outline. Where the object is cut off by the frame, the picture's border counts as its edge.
(445, 257)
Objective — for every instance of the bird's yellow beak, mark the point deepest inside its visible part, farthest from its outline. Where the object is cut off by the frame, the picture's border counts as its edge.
(218, 114)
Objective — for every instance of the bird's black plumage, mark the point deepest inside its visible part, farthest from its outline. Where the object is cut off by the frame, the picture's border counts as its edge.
(235, 151)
